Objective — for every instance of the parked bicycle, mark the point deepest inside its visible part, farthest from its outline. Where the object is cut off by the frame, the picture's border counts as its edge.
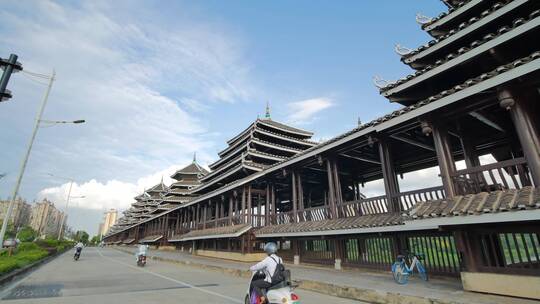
(401, 271)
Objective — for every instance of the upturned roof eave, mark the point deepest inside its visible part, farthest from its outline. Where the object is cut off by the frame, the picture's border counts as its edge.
(460, 34)
(451, 16)
(463, 58)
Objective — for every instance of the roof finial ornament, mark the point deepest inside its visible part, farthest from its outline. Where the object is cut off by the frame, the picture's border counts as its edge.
(422, 19)
(359, 121)
(194, 157)
(267, 115)
(401, 50)
(379, 82)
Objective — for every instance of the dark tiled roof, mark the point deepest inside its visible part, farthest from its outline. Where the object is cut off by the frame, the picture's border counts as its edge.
(192, 168)
(457, 5)
(215, 232)
(128, 241)
(460, 27)
(278, 125)
(364, 221)
(502, 30)
(158, 188)
(185, 183)
(492, 202)
(151, 238)
(304, 141)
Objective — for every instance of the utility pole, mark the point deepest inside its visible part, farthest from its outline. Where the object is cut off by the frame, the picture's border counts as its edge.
(25, 159)
(60, 234)
(9, 66)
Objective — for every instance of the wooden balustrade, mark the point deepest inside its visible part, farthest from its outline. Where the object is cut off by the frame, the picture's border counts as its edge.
(508, 174)
(408, 199)
(372, 205)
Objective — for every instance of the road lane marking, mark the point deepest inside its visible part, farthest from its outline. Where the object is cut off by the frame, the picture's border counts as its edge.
(25, 277)
(171, 279)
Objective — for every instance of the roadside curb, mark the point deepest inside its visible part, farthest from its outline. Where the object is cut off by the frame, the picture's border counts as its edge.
(354, 293)
(11, 276)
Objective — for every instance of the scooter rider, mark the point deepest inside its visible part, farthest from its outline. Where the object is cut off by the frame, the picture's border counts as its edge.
(268, 266)
(141, 250)
(78, 247)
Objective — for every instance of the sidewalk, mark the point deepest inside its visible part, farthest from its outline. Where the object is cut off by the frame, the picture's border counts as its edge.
(353, 284)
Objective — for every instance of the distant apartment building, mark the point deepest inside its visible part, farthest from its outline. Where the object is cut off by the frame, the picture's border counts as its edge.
(108, 221)
(21, 213)
(46, 219)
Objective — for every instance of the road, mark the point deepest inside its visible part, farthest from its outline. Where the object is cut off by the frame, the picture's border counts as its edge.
(110, 276)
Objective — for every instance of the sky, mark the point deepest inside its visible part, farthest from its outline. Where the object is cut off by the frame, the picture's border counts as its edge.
(158, 81)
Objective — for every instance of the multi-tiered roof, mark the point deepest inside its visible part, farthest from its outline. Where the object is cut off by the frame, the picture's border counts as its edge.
(263, 143)
(161, 198)
(187, 179)
(473, 42)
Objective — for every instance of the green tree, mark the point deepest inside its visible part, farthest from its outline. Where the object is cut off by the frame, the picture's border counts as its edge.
(27, 234)
(81, 236)
(94, 240)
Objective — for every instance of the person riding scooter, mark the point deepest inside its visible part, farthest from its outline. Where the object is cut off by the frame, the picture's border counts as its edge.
(141, 252)
(268, 266)
(78, 249)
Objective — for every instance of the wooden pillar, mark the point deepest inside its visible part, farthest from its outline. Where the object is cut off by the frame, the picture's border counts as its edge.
(259, 218)
(273, 200)
(267, 205)
(300, 192)
(445, 159)
(294, 200)
(528, 135)
(391, 185)
(217, 212)
(249, 206)
(204, 216)
(198, 216)
(337, 183)
(331, 190)
(231, 210)
(466, 251)
(243, 209)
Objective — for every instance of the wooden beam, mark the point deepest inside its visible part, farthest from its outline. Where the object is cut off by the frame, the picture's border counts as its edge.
(483, 118)
(413, 142)
(363, 159)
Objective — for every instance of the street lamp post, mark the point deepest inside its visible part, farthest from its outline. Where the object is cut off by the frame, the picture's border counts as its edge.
(26, 156)
(71, 180)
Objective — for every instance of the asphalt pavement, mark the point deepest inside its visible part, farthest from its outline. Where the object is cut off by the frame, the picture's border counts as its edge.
(109, 276)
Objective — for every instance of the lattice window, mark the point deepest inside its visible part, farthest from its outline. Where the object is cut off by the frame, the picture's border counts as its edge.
(440, 252)
(372, 251)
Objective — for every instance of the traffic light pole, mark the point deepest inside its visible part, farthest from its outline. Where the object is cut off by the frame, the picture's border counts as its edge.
(11, 65)
(25, 160)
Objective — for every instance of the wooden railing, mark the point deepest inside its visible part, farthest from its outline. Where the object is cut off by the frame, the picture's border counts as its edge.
(408, 199)
(508, 174)
(372, 205)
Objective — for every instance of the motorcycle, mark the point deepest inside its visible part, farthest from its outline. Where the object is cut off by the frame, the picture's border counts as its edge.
(278, 293)
(77, 254)
(141, 260)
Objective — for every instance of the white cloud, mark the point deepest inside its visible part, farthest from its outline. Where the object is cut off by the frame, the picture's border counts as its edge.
(304, 111)
(111, 194)
(139, 83)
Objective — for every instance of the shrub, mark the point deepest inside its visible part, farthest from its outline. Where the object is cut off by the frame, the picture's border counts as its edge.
(7, 265)
(27, 246)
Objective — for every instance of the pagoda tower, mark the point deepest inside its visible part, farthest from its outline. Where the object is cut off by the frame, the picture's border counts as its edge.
(263, 143)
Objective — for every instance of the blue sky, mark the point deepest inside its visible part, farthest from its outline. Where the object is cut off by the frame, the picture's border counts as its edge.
(157, 81)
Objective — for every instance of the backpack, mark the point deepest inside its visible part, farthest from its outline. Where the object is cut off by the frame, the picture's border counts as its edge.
(280, 274)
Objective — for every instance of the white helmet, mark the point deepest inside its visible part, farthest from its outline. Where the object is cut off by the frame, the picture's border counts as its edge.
(270, 248)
